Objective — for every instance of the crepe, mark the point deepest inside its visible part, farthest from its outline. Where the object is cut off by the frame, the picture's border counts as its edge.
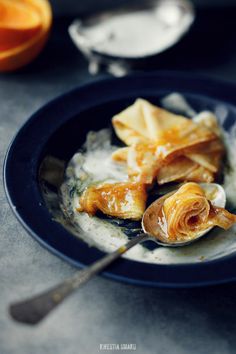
(123, 200)
(182, 169)
(144, 121)
(158, 140)
(188, 212)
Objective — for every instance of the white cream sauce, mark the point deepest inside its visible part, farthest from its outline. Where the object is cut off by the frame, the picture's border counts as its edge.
(138, 33)
(96, 163)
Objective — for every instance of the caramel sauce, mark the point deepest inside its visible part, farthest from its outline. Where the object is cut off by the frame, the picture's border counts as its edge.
(124, 199)
(154, 220)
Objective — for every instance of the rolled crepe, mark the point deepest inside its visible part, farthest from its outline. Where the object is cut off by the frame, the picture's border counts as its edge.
(123, 200)
(188, 212)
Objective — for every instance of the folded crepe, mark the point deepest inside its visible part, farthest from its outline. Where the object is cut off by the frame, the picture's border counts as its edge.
(123, 200)
(157, 139)
(182, 168)
(144, 121)
(188, 212)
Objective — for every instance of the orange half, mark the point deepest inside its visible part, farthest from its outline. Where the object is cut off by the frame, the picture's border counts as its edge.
(18, 23)
(24, 52)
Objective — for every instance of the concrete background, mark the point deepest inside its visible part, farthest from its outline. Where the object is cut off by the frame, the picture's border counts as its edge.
(196, 321)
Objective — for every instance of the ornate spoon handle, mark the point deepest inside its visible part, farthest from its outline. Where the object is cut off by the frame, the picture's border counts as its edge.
(33, 310)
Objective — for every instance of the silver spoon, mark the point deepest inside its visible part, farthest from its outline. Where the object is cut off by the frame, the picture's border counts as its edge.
(34, 309)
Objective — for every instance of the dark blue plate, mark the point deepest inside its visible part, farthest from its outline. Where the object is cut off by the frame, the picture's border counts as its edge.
(60, 127)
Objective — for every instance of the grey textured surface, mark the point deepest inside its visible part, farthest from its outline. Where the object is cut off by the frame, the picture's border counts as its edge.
(157, 320)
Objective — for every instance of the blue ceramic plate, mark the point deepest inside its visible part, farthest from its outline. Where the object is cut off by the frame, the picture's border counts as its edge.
(59, 129)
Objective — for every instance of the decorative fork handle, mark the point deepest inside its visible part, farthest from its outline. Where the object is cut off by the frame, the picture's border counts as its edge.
(33, 310)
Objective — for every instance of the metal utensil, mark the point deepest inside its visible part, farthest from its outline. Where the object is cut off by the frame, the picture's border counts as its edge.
(107, 44)
(33, 310)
